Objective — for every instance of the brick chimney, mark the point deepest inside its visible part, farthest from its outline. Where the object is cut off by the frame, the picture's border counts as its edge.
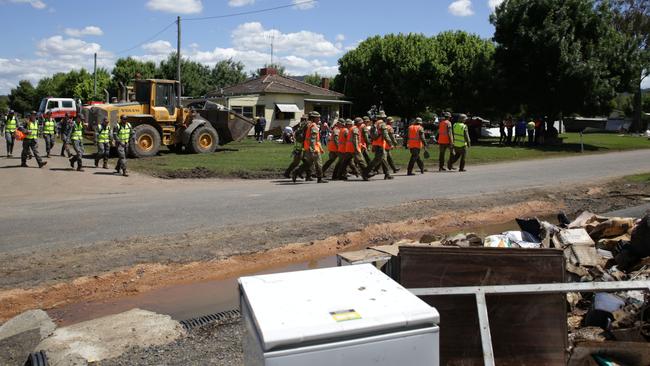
(268, 71)
(325, 83)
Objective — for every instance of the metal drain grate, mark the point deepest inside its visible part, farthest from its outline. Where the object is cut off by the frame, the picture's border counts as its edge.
(211, 318)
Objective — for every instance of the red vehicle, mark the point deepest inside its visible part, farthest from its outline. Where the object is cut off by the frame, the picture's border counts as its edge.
(58, 107)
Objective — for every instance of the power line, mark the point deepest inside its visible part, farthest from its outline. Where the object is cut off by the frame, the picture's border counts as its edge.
(298, 3)
(148, 39)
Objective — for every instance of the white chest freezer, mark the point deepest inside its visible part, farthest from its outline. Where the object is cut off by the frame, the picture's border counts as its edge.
(352, 315)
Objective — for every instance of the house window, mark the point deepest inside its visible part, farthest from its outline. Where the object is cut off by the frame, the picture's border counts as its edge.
(237, 109)
(284, 115)
(248, 112)
(260, 110)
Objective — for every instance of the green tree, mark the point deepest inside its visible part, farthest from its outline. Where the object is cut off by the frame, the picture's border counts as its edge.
(128, 69)
(195, 77)
(23, 98)
(314, 79)
(4, 104)
(559, 56)
(470, 80)
(402, 72)
(632, 18)
(85, 88)
(226, 73)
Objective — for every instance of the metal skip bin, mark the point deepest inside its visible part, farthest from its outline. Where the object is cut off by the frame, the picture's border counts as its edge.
(352, 315)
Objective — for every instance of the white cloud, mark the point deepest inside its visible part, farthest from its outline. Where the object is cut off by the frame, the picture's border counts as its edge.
(253, 36)
(238, 3)
(65, 47)
(159, 47)
(36, 4)
(90, 30)
(340, 37)
(304, 4)
(492, 4)
(461, 8)
(176, 6)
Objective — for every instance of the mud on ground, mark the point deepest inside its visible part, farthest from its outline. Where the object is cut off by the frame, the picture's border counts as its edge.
(50, 278)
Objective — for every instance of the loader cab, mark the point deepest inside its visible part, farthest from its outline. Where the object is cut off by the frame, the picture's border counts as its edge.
(159, 96)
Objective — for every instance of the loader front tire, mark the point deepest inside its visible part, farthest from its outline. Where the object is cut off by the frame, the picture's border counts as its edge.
(146, 141)
(204, 140)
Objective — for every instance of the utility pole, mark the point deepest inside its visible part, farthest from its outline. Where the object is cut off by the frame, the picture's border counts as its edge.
(178, 62)
(95, 78)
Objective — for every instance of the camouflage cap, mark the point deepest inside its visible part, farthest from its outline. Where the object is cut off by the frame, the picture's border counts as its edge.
(389, 120)
(358, 120)
(446, 114)
(418, 120)
(366, 118)
(349, 122)
(314, 114)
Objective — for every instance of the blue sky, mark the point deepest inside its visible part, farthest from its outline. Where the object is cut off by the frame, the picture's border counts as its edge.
(41, 37)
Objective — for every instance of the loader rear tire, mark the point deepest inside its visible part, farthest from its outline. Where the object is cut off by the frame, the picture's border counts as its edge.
(146, 141)
(204, 140)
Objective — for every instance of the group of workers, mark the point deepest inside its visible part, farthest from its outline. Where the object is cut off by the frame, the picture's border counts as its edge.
(71, 133)
(351, 141)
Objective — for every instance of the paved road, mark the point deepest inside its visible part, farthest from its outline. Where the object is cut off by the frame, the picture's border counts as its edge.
(66, 207)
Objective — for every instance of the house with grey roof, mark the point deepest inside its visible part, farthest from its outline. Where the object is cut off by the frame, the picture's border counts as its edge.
(281, 100)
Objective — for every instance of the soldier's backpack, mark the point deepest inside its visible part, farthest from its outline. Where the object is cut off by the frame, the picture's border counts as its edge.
(299, 134)
(374, 132)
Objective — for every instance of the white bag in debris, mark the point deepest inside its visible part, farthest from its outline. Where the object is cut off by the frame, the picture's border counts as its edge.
(522, 239)
(608, 302)
(497, 241)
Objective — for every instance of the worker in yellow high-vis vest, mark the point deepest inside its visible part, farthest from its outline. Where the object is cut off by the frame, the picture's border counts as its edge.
(76, 136)
(461, 143)
(30, 129)
(10, 129)
(49, 134)
(103, 137)
(122, 135)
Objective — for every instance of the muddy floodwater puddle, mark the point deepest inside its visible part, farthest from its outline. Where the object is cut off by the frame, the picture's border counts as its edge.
(179, 301)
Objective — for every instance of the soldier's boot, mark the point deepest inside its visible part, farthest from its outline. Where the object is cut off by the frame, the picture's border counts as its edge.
(105, 166)
(321, 180)
(409, 169)
(294, 176)
(23, 165)
(71, 160)
(421, 166)
(42, 164)
(124, 173)
(96, 163)
(388, 177)
(79, 166)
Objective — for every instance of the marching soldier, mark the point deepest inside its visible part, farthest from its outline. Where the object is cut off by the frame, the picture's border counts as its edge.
(393, 143)
(416, 142)
(49, 133)
(10, 129)
(103, 138)
(312, 148)
(364, 128)
(31, 142)
(380, 143)
(122, 137)
(298, 153)
(333, 145)
(76, 137)
(66, 130)
(340, 170)
(357, 147)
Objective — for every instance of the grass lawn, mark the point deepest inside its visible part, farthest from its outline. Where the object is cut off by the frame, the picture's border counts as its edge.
(248, 159)
(639, 178)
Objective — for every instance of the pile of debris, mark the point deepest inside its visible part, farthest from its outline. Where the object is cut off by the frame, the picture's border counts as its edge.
(596, 249)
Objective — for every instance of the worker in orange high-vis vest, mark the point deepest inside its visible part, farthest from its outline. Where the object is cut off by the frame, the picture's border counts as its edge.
(333, 144)
(364, 128)
(393, 144)
(340, 170)
(416, 142)
(357, 147)
(351, 147)
(445, 140)
(380, 142)
(312, 148)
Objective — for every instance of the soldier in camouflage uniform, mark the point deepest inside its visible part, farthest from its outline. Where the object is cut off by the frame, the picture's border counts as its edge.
(380, 142)
(333, 145)
(312, 148)
(393, 144)
(298, 153)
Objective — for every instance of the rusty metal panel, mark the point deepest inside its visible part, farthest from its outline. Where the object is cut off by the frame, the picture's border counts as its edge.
(526, 329)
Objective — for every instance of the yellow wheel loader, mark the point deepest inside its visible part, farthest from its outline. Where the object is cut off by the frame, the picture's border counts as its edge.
(158, 121)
